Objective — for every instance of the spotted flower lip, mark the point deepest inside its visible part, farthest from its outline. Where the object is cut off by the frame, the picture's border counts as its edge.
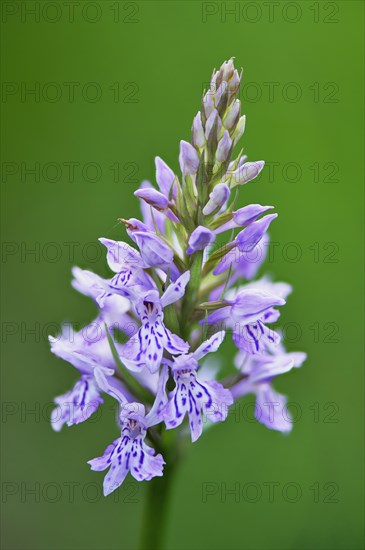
(129, 453)
(194, 397)
(146, 348)
(169, 299)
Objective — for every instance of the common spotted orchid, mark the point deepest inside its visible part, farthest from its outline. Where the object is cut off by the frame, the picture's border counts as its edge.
(187, 270)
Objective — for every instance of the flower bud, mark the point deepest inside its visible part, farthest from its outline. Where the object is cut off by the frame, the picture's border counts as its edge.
(198, 131)
(210, 123)
(153, 197)
(246, 172)
(224, 147)
(234, 83)
(249, 213)
(208, 103)
(232, 115)
(165, 178)
(217, 198)
(188, 158)
(240, 128)
(199, 239)
(227, 69)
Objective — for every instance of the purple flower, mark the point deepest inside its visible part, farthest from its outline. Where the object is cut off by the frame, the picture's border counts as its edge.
(246, 266)
(145, 349)
(155, 377)
(77, 405)
(129, 453)
(154, 251)
(246, 314)
(244, 216)
(258, 373)
(245, 242)
(129, 267)
(192, 396)
(86, 350)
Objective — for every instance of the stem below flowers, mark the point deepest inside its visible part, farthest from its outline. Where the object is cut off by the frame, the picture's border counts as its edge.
(156, 506)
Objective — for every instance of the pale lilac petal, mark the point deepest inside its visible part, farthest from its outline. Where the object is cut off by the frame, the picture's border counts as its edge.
(174, 411)
(254, 337)
(175, 290)
(153, 417)
(271, 409)
(249, 237)
(144, 465)
(250, 262)
(221, 399)
(218, 316)
(109, 384)
(174, 344)
(165, 178)
(273, 366)
(154, 251)
(209, 346)
(102, 462)
(276, 288)
(158, 218)
(87, 282)
(250, 304)
(119, 254)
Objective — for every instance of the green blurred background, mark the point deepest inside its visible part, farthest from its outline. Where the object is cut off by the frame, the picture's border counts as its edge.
(117, 83)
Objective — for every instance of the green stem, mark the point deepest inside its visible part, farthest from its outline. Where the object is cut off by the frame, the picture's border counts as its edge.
(191, 293)
(156, 507)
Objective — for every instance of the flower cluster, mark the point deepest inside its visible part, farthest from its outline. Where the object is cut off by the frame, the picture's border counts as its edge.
(175, 294)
